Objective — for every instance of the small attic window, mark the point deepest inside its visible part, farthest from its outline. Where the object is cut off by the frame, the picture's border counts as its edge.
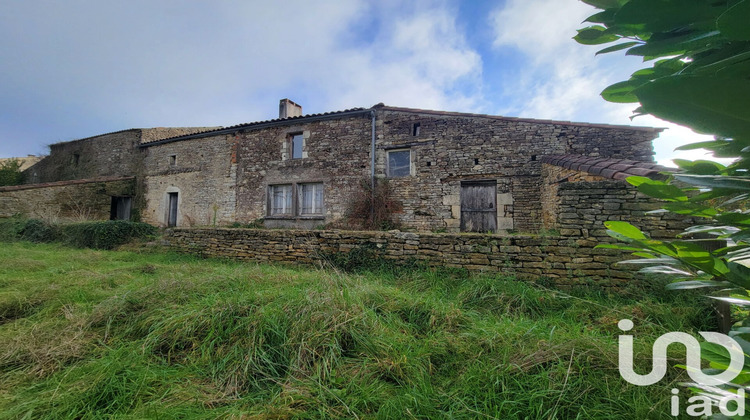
(415, 128)
(533, 158)
(75, 159)
(172, 160)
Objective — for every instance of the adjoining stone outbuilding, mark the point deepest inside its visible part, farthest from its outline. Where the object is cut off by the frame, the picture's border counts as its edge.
(451, 171)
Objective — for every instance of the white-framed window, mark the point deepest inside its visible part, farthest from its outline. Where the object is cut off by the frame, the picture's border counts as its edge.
(310, 198)
(399, 163)
(280, 200)
(304, 199)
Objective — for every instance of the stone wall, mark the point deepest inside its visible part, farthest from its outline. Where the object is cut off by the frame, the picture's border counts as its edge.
(76, 200)
(335, 152)
(107, 155)
(203, 174)
(449, 148)
(577, 204)
(565, 261)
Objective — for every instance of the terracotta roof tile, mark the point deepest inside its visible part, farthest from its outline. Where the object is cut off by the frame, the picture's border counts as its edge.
(64, 183)
(607, 167)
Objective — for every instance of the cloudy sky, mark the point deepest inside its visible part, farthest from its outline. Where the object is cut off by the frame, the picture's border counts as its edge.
(78, 68)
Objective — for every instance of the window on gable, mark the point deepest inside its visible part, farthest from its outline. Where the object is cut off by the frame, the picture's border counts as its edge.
(295, 145)
(75, 159)
(310, 199)
(280, 200)
(415, 129)
(399, 163)
(172, 160)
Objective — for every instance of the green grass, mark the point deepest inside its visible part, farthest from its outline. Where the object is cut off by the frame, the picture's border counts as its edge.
(90, 334)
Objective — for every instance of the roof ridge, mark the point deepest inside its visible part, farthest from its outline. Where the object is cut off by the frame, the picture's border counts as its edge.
(521, 119)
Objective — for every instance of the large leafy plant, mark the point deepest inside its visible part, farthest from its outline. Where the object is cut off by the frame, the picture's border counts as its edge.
(698, 75)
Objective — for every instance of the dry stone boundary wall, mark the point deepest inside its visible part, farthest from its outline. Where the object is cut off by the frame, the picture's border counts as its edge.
(564, 261)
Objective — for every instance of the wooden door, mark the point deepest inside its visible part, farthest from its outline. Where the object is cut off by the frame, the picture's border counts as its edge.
(172, 210)
(479, 206)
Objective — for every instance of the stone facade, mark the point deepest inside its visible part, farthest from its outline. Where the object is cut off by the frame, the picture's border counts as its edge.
(577, 203)
(303, 171)
(201, 172)
(451, 148)
(335, 152)
(443, 150)
(113, 154)
(76, 200)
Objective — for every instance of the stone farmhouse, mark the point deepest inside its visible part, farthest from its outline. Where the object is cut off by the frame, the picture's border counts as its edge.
(451, 171)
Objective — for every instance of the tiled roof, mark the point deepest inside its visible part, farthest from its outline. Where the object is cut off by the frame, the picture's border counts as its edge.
(257, 124)
(380, 106)
(607, 167)
(530, 120)
(64, 183)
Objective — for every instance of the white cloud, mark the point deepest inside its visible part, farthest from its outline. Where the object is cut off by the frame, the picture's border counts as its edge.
(426, 58)
(107, 66)
(565, 78)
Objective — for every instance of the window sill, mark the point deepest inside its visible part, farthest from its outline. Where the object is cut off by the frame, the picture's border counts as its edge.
(291, 217)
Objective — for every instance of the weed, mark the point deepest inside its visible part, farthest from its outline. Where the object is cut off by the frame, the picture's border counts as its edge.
(92, 334)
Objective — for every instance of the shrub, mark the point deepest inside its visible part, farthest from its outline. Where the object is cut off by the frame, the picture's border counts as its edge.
(10, 228)
(366, 210)
(105, 235)
(38, 231)
(10, 173)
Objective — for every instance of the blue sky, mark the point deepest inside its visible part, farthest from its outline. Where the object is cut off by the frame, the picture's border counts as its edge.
(78, 68)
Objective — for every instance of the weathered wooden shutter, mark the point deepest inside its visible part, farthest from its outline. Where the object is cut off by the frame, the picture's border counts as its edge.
(479, 206)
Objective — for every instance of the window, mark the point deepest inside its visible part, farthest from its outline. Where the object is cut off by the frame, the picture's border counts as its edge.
(172, 160)
(399, 163)
(310, 199)
(280, 200)
(295, 145)
(295, 199)
(75, 159)
(415, 128)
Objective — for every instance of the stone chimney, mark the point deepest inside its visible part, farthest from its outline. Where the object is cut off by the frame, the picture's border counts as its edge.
(288, 109)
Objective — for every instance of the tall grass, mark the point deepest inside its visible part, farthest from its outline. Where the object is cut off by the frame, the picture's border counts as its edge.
(95, 334)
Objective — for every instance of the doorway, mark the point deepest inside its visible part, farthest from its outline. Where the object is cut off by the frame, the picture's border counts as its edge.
(172, 209)
(479, 206)
(120, 208)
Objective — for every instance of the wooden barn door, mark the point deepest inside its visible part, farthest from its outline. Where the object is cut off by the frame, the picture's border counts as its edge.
(479, 206)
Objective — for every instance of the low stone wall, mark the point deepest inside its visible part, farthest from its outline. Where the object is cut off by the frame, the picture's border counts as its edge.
(85, 199)
(564, 261)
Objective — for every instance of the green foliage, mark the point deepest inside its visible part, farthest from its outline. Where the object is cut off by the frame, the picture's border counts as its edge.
(100, 235)
(32, 230)
(39, 231)
(699, 78)
(255, 224)
(91, 334)
(10, 228)
(368, 258)
(105, 235)
(10, 173)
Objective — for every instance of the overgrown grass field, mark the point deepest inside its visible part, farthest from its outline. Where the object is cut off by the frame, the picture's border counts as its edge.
(148, 334)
